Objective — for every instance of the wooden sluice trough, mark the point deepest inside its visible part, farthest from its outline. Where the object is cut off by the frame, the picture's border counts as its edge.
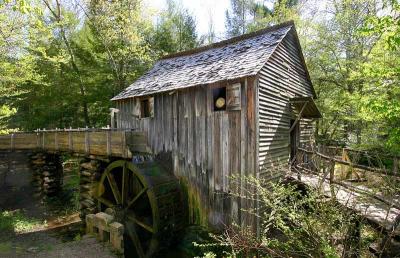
(99, 142)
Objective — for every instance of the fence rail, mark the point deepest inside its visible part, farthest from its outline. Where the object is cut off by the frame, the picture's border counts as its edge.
(372, 191)
(306, 157)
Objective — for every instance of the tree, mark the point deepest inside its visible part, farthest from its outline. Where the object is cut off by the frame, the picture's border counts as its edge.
(74, 64)
(60, 20)
(236, 19)
(175, 30)
(122, 32)
(210, 37)
(249, 15)
(338, 54)
(13, 70)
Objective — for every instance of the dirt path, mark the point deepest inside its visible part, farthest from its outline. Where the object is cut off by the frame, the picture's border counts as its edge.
(29, 228)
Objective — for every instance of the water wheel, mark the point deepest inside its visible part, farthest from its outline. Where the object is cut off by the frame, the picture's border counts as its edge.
(146, 200)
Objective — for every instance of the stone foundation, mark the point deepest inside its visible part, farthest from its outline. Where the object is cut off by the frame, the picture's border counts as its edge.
(90, 173)
(47, 173)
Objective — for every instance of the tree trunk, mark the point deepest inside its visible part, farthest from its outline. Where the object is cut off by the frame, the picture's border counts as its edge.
(57, 16)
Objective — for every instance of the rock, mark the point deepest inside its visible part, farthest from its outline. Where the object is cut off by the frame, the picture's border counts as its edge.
(88, 166)
(33, 249)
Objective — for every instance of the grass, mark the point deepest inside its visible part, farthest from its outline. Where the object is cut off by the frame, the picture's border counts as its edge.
(17, 222)
(5, 247)
(67, 200)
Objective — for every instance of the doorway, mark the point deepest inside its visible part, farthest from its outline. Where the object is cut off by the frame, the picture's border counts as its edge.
(294, 139)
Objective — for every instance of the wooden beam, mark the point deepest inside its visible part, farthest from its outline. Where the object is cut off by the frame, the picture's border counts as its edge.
(298, 117)
(370, 169)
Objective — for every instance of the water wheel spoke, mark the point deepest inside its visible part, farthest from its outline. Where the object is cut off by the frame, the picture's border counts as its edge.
(140, 223)
(105, 202)
(114, 188)
(125, 183)
(135, 239)
(131, 192)
(136, 198)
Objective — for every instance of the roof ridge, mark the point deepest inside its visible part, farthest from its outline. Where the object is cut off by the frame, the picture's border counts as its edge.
(228, 41)
(225, 60)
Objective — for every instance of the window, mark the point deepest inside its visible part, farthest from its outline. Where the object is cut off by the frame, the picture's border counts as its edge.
(219, 99)
(227, 98)
(233, 97)
(147, 107)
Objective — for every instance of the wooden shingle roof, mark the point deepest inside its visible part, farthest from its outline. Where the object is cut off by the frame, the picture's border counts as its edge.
(230, 59)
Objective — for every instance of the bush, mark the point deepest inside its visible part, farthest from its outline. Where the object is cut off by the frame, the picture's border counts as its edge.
(295, 222)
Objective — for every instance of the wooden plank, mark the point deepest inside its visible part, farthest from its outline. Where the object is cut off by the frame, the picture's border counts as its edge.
(116, 144)
(210, 150)
(175, 151)
(70, 142)
(78, 142)
(217, 166)
(5, 142)
(225, 151)
(108, 144)
(24, 141)
(87, 142)
(243, 154)
(251, 130)
(49, 141)
(97, 143)
(62, 141)
(234, 165)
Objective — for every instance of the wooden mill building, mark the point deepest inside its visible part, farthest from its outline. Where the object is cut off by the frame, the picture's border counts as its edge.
(239, 107)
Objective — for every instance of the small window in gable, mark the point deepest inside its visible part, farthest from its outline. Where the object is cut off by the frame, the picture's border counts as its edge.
(147, 107)
(219, 97)
(227, 98)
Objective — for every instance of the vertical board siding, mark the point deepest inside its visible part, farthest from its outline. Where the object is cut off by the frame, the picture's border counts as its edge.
(281, 78)
(207, 147)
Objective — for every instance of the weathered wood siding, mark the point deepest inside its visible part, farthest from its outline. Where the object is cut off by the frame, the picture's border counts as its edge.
(127, 117)
(207, 147)
(307, 135)
(281, 78)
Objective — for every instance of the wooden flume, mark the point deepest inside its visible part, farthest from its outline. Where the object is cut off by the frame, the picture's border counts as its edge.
(144, 197)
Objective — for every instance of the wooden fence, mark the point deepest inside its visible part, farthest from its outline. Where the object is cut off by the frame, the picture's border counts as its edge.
(337, 167)
(371, 191)
(330, 157)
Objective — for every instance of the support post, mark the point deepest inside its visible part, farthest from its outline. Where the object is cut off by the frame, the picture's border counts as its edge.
(47, 173)
(332, 179)
(90, 172)
(395, 165)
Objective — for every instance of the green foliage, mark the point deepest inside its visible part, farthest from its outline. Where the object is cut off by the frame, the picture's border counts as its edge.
(175, 30)
(355, 74)
(66, 202)
(17, 222)
(62, 62)
(294, 223)
(249, 15)
(236, 20)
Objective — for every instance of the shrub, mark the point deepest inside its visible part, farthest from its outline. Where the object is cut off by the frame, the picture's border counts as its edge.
(294, 222)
